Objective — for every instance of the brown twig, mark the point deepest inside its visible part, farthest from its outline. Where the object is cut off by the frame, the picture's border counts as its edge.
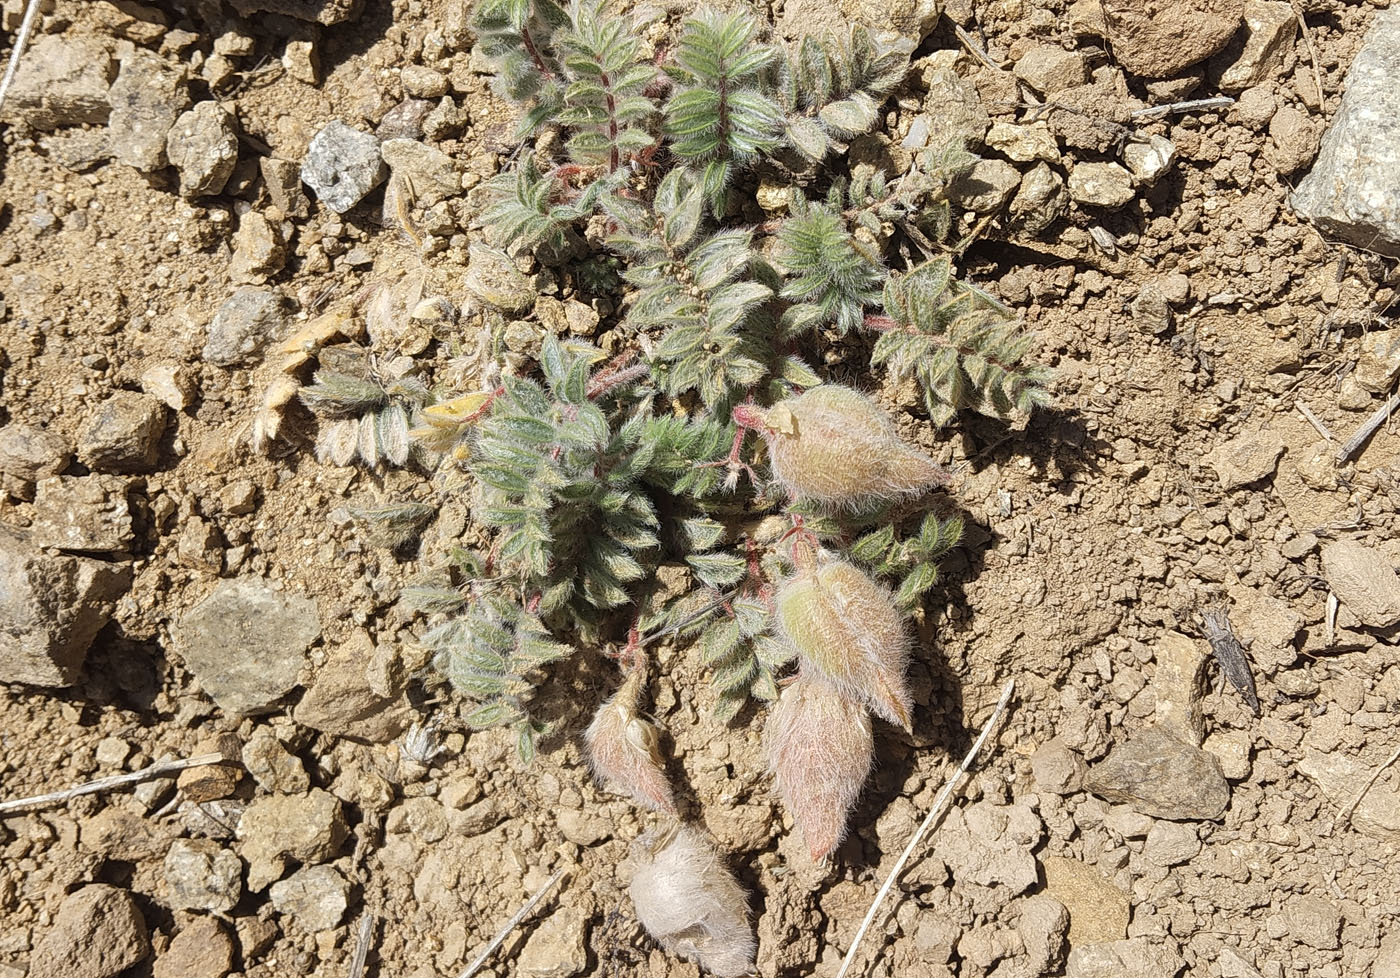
(362, 945)
(1176, 108)
(159, 769)
(975, 49)
(1312, 52)
(939, 806)
(1368, 428)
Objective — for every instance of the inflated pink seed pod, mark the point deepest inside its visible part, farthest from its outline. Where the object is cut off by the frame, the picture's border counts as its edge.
(819, 748)
(623, 749)
(690, 902)
(836, 448)
(847, 629)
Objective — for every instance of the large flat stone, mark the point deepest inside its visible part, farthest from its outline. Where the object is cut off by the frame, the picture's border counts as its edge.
(1353, 191)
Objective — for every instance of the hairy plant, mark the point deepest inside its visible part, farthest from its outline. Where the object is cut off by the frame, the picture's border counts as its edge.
(820, 748)
(488, 652)
(615, 491)
(831, 89)
(837, 449)
(690, 902)
(961, 346)
(361, 418)
(719, 118)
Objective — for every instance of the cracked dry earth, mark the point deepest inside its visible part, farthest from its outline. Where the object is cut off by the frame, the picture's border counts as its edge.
(1135, 818)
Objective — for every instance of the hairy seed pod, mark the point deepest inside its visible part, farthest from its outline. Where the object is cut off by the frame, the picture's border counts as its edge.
(836, 448)
(819, 748)
(624, 752)
(690, 902)
(847, 629)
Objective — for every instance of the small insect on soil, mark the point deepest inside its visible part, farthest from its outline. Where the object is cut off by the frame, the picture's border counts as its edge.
(1215, 623)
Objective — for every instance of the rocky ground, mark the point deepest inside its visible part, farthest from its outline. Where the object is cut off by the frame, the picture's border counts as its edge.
(186, 185)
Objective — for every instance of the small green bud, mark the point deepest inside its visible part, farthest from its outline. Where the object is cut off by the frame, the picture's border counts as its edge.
(846, 627)
(624, 751)
(819, 748)
(836, 448)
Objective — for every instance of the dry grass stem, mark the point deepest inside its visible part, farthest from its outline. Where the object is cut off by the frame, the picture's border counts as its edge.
(1345, 814)
(939, 806)
(157, 770)
(511, 924)
(26, 27)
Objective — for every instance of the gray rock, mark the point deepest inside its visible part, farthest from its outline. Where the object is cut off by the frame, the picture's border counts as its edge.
(272, 766)
(1313, 921)
(1024, 144)
(246, 643)
(430, 172)
(1179, 685)
(1100, 184)
(1231, 748)
(97, 933)
(1379, 362)
(1056, 768)
(258, 249)
(954, 109)
(283, 181)
(1159, 40)
(1270, 27)
(1049, 68)
(62, 81)
(1137, 957)
(124, 434)
(203, 146)
(1364, 581)
(1098, 910)
(1247, 458)
(51, 608)
(493, 277)
(1042, 199)
(1162, 776)
(83, 513)
(1353, 191)
(986, 187)
(341, 702)
(558, 947)
(316, 897)
(1148, 160)
(309, 828)
(1150, 309)
(31, 453)
(202, 949)
(1387, 963)
(243, 326)
(342, 165)
(1170, 843)
(202, 875)
(147, 97)
(404, 121)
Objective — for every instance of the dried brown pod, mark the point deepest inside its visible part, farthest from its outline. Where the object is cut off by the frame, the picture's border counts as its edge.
(836, 448)
(623, 749)
(846, 628)
(819, 748)
(690, 902)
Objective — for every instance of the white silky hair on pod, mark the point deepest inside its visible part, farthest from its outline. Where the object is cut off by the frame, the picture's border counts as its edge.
(690, 902)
